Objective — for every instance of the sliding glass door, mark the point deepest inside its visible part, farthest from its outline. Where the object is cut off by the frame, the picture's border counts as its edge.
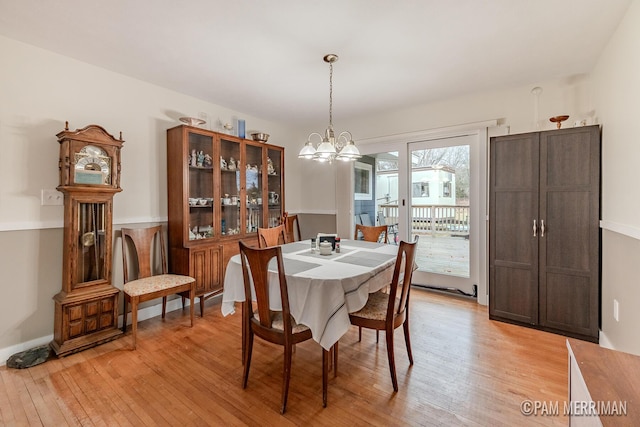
(441, 211)
(430, 188)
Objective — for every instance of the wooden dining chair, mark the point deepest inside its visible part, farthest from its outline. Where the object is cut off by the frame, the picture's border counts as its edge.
(277, 327)
(140, 282)
(388, 311)
(372, 233)
(291, 227)
(273, 236)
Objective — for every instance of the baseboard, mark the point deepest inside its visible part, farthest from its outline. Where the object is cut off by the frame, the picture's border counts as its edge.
(604, 341)
(143, 314)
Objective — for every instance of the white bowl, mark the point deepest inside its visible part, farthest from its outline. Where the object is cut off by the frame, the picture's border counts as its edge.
(325, 248)
(192, 121)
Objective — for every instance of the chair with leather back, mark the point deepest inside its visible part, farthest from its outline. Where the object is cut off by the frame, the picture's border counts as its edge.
(388, 311)
(140, 282)
(273, 236)
(276, 327)
(291, 227)
(372, 233)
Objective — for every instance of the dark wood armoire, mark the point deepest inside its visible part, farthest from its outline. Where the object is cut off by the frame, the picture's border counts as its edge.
(544, 238)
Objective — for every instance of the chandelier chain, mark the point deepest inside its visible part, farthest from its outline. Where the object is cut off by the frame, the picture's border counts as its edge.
(331, 94)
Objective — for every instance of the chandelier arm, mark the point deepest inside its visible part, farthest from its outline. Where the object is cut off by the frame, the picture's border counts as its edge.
(312, 134)
(343, 133)
(339, 144)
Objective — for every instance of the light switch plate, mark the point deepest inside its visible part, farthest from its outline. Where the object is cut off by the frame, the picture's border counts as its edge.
(51, 198)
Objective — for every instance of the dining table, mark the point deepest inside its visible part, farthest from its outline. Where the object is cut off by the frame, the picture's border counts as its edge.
(323, 289)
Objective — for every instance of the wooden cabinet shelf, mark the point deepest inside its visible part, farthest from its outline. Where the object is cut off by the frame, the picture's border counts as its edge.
(221, 189)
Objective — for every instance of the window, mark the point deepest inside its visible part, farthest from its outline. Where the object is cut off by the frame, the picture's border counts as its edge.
(363, 185)
(420, 189)
(446, 189)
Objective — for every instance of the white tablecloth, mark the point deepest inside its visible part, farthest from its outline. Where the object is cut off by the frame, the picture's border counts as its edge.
(323, 290)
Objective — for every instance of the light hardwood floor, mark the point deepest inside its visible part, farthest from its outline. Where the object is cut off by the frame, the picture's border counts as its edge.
(467, 370)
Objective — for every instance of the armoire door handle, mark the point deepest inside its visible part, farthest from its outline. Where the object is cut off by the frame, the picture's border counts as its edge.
(535, 228)
(542, 228)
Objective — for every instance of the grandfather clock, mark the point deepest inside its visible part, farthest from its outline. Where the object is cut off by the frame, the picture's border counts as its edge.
(86, 309)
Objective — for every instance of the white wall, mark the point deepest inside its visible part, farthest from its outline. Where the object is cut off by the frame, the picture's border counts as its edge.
(616, 83)
(41, 90)
(513, 108)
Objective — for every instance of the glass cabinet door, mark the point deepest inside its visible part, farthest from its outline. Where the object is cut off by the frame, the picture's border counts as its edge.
(274, 186)
(201, 201)
(90, 259)
(229, 187)
(254, 199)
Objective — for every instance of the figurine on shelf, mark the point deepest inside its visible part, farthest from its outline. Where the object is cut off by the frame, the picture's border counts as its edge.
(193, 158)
(200, 161)
(223, 163)
(232, 164)
(270, 169)
(253, 168)
(208, 161)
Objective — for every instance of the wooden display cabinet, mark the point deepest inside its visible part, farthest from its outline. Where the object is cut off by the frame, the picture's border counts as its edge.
(221, 189)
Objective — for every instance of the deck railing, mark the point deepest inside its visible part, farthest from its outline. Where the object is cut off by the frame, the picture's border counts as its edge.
(432, 219)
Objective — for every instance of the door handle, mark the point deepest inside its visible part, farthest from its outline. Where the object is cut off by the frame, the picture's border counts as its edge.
(542, 228)
(535, 228)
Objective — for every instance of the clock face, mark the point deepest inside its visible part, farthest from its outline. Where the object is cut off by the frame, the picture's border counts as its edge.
(92, 166)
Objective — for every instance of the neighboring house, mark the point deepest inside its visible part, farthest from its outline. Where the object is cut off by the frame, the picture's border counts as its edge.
(431, 185)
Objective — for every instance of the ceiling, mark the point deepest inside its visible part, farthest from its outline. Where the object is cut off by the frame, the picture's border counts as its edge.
(264, 58)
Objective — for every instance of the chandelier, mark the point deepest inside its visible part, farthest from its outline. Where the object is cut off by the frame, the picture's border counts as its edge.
(330, 147)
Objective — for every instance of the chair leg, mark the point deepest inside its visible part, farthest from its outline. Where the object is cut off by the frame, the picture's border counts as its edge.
(377, 336)
(407, 340)
(335, 359)
(245, 331)
(325, 376)
(247, 344)
(192, 300)
(392, 362)
(164, 306)
(124, 315)
(134, 320)
(359, 333)
(286, 375)
(202, 306)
